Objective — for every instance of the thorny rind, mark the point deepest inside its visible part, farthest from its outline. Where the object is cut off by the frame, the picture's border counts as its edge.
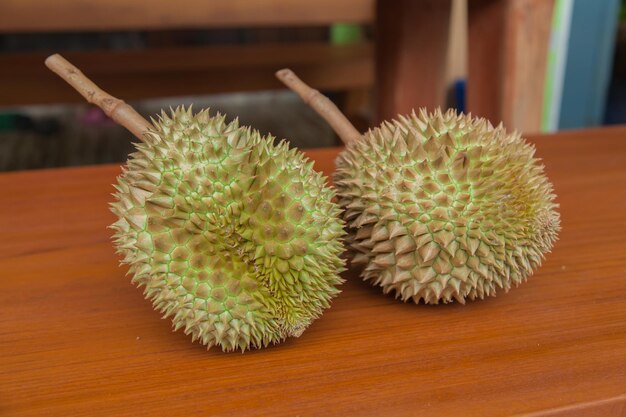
(235, 238)
(444, 207)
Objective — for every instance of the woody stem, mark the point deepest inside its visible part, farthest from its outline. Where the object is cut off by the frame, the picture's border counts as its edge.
(116, 109)
(322, 105)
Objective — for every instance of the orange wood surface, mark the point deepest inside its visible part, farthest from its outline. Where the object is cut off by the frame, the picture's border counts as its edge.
(76, 338)
(73, 15)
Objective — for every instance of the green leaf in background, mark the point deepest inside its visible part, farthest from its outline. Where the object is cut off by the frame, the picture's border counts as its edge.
(343, 33)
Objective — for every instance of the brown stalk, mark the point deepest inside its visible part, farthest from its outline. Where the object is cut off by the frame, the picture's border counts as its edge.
(321, 104)
(116, 109)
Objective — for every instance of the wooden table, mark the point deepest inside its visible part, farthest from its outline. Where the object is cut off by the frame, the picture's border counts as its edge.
(76, 338)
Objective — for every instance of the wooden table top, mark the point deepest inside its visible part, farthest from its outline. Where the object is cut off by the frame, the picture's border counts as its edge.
(76, 338)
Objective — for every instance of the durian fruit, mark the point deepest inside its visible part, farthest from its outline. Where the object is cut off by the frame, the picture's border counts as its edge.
(232, 237)
(440, 206)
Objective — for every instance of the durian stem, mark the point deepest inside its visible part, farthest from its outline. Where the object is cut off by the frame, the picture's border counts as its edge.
(116, 109)
(321, 104)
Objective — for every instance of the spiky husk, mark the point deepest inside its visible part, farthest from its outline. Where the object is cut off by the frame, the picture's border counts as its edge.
(444, 207)
(235, 238)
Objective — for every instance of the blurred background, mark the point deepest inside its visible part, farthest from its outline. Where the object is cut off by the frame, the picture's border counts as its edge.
(536, 65)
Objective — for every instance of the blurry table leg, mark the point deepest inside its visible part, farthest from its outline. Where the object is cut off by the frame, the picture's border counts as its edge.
(508, 52)
(412, 43)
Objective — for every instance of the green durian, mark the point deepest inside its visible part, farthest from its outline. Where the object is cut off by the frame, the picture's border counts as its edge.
(444, 207)
(232, 237)
(440, 207)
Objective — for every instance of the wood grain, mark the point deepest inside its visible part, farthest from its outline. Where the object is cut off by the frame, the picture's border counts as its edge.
(77, 339)
(162, 72)
(78, 15)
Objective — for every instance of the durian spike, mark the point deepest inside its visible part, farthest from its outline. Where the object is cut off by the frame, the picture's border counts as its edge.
(116, 109)
(321, 104)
